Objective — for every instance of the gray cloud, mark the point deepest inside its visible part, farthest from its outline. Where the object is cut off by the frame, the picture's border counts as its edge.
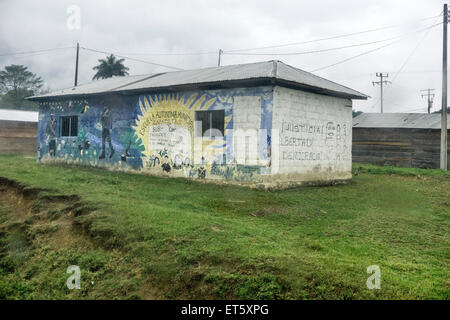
(191, 26)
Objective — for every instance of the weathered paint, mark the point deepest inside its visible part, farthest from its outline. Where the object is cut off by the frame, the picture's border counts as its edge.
(155, 133)
(401, 147)
(273, 136)
(315, 136)
(18, 137)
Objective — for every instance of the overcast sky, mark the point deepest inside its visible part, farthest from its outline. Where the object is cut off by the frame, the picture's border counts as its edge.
(140, 29)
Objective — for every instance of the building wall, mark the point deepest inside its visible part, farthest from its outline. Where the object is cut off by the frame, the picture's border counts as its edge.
(314, 136)
(18, 137)
(156, 133)
(419, 148)
(273, 137)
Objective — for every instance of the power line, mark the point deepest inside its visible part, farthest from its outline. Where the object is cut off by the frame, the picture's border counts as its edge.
(354, 57)
(235, 51)
(404, 87)
(323, 39)
(133, 59)
(430, 102)
(35, 51)
(375, 103)
(169, 53)
(412, 52)
(238, 50)
(367, 52)
(313, 51)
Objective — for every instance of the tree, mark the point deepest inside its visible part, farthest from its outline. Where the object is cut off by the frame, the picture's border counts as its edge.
(17, 83)
(110, 67)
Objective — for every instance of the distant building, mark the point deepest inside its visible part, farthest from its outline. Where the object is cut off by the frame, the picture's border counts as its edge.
(18, 132)
(398, 139)
(262, 124)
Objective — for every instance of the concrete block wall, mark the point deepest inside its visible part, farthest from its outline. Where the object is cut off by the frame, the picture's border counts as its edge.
(247, 121)
(300, 136)
(314, 136)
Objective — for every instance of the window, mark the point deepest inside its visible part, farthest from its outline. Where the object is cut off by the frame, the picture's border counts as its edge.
(211, 120)
(69, 126)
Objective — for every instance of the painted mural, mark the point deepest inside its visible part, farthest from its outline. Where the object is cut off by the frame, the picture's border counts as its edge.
(154, 133)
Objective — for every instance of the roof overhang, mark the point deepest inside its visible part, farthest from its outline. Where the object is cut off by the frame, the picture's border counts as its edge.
(213, 85)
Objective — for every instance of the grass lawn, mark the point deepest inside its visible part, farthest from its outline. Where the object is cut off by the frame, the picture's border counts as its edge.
(136, 236)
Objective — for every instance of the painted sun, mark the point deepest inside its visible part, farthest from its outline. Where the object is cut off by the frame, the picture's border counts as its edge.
(166, 127)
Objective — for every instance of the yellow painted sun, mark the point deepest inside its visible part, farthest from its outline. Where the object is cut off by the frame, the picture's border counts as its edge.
(167, 122)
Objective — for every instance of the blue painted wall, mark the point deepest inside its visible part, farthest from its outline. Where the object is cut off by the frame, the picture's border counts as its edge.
(135, 118)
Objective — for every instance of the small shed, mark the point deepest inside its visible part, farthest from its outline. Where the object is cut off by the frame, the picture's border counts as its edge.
(398, 139)
(261, 124)
(18, 132)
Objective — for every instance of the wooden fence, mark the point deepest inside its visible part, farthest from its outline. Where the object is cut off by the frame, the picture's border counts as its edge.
(18, 137)
(419, 148)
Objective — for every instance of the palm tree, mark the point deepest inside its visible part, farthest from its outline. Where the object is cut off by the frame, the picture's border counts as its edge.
(110, 67)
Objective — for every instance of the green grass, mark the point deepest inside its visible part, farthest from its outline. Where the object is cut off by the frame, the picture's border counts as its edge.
(366, 168)
(137, 236)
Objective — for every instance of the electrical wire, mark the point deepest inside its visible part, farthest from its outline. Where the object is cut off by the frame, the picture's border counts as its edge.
(369, 51)
(132, 59)
(235, 51)
(36, 51)
(353, 57)
(413, 51)
(322, 39)
(314, 51)
(410, 55)
(239, 50)
(169, 53)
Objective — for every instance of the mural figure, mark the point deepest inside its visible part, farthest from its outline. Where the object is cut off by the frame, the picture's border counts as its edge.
(153, 161)
(201, 171)
(51, 132)
(126, 154)
(106, 121)
(166, 165)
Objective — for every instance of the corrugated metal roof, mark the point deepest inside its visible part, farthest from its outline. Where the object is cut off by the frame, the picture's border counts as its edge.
(274, 72)
(95, 87)
(18, 115)
(399, 120)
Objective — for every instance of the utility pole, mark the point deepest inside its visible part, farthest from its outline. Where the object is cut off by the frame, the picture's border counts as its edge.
(430, 98)
(220, 55)
(76, 65)
(381, 82)
(444, 94)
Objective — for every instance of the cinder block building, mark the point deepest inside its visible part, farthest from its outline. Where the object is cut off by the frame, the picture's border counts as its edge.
(261, 124)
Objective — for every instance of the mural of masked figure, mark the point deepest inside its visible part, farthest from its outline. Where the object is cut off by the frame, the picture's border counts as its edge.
(51, 133)
(106, 121)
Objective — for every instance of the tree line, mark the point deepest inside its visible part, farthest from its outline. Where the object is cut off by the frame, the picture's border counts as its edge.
(17, 82)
